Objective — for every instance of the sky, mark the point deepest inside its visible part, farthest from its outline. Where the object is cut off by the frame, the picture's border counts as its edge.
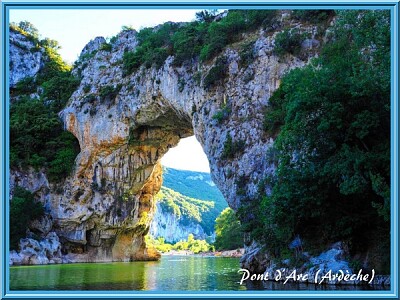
(74, 28)
(188, 155)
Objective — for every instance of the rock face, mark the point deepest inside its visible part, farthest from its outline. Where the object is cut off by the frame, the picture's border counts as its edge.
(23, 62)
(126, 123)
(33, 252)
(169, 226)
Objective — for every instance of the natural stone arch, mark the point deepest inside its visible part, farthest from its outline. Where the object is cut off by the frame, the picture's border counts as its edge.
(150, 111)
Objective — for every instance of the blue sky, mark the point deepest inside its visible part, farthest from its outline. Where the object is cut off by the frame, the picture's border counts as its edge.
(74, 28)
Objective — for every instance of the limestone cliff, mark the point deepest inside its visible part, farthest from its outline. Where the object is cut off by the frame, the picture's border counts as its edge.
(126, 123)
(169, 226)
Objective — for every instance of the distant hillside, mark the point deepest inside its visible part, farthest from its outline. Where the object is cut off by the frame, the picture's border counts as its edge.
(197, 185)
(185, 208)
(177, 216)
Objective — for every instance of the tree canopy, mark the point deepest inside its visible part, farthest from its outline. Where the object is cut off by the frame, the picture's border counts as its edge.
(332, 121)
(228, 231)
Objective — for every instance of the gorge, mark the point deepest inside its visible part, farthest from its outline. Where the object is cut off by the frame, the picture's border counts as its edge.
(126, 115)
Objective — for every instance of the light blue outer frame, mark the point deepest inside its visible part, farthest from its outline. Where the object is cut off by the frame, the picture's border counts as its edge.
(6, 5)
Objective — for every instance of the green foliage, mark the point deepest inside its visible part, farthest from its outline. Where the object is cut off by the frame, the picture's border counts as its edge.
(217, 73)
(185, 208)
(247, 55)
(206, 15)
(23, 210)
(313, 16)
(191, 244)
(222, 114)
(228, 231)
(275, 112)
(288, 41)
(66, 150)
(106, 47)
(37, 137)
(27, 29)
(49, 43)
(188, 41)
(197, 185)
(59, 89)
(229, 29)
(204, 38)
(53, 67)
(26, 86)
(333, 116)
(109, 92)
(154, 47)
(232, 148)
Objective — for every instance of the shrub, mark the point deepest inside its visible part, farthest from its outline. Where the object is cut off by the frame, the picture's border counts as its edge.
(206, 15)
(86, 88)
(109, 92)
(202, 38)
(131, 61)
(217, 73)
(60, 88)
(288, 41)
(333, 147)
(275, 112)
(26, 86)
(228, 231)
(154, 47)
(181, 84)
(313, 16)
(37, 137)
(23, 210)
(113, 39)
(222, 114)
(106, 47)
(247, 54)
(62, 164)
(232, 148)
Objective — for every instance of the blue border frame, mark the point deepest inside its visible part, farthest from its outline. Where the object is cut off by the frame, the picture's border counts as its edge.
(6, 5)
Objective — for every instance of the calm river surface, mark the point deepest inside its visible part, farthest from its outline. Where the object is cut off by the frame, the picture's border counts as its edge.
(171, 273)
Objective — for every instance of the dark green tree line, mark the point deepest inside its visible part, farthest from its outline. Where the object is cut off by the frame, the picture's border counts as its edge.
(332, 120)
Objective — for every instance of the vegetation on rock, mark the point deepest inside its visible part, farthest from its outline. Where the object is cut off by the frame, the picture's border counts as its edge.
(37, 137)
(201, 38)
(199, 186)
(23, 210)
(228, 231)
(191, 244)
(332, 180)
(184, 208)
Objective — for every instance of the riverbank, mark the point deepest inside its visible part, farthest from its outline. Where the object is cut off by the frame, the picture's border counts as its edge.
(225, 253)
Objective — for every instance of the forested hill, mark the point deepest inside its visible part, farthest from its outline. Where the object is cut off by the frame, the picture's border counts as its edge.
(196, 185)
(188, 203)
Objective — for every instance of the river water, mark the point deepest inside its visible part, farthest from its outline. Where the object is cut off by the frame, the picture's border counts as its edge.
(171, 273)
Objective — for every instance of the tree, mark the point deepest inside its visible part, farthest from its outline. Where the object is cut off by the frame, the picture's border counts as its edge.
(206, 15)
(229, 232)
(29, 28)
(23, 210)
(333, 166)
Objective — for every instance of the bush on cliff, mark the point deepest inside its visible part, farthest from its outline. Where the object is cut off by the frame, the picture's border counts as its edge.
(228, 231)
(37, 137)
(23, 210)
(333, 166)
(201, 38)
(191, 244)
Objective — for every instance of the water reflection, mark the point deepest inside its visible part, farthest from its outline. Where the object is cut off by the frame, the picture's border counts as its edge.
(172, 273)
